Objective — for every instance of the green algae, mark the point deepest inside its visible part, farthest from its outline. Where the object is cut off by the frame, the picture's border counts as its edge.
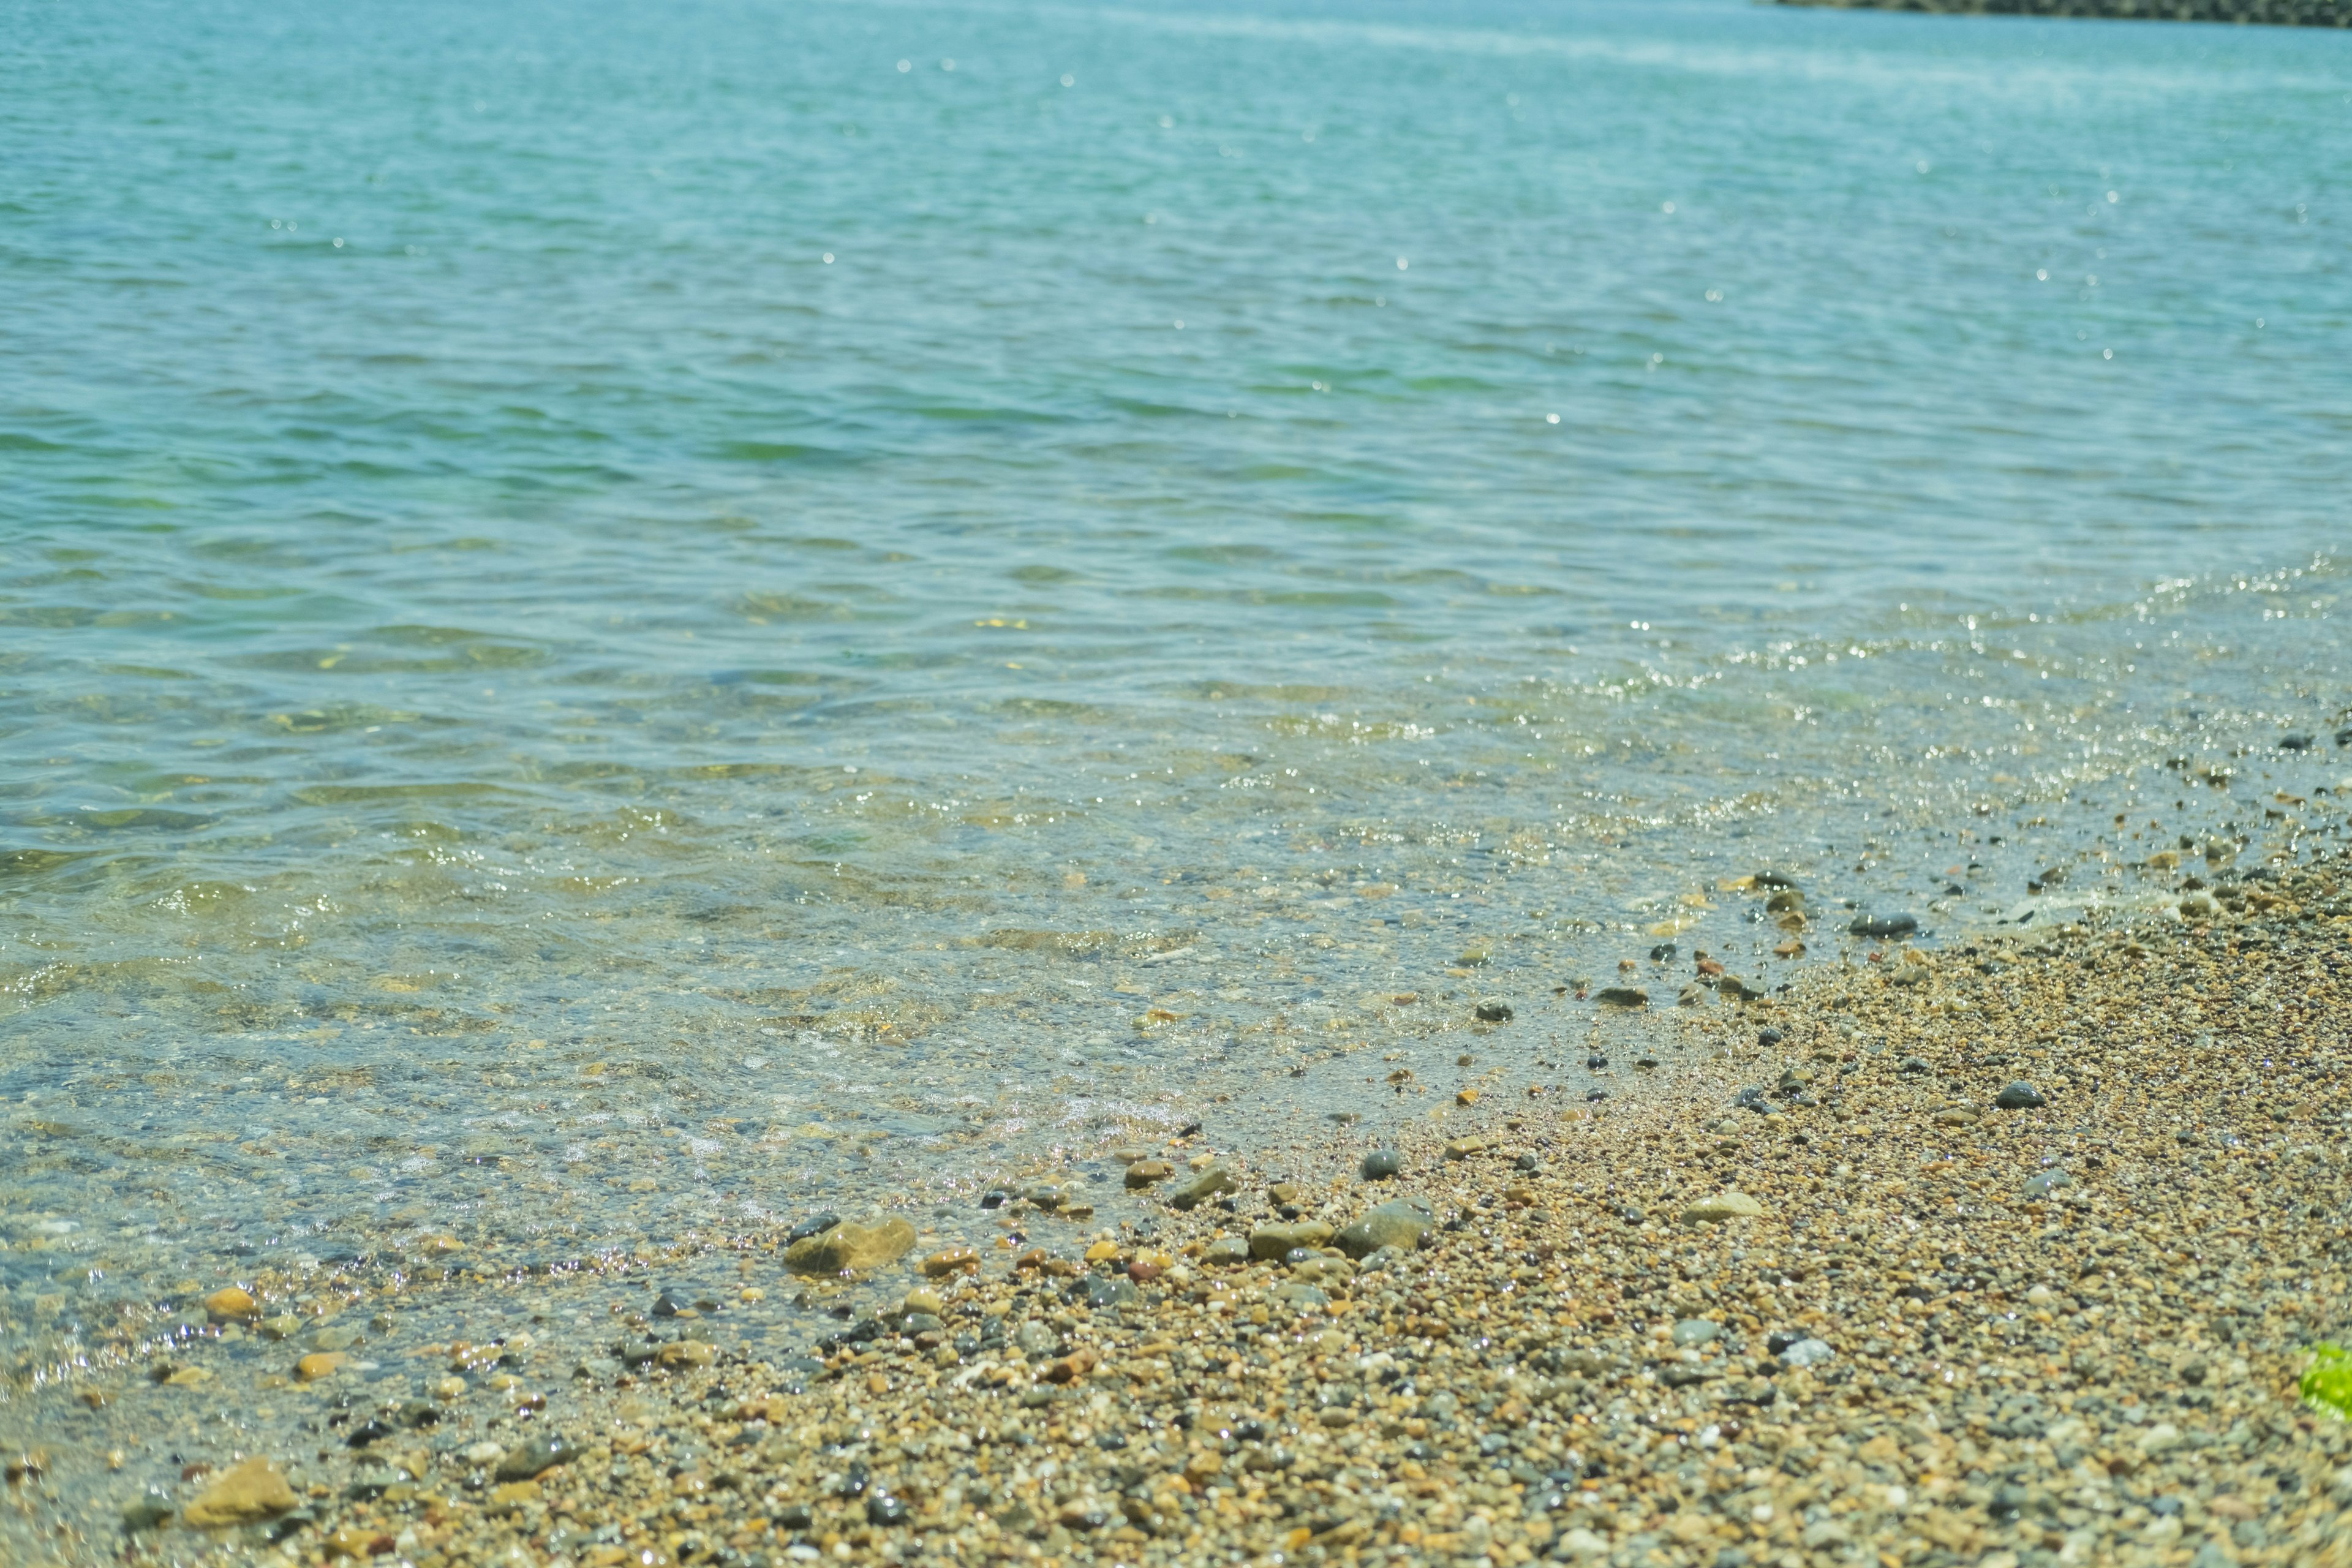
(2328, 1384)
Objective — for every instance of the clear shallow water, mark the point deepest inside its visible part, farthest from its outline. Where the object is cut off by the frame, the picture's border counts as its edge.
(612, 621)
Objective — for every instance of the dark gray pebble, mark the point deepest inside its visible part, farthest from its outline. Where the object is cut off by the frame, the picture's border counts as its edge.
(1884, 925)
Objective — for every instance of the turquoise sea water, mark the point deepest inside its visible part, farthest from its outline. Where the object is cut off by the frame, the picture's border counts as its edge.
(618, 619)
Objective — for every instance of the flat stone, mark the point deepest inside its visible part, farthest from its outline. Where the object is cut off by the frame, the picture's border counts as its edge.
(1227, 1250)
(2020, 1096)
(247, 1494)
(2043, 1183)
(1323, 1270)
(1697, 1331)
(1401, 1223)
(848, 1245)
(1274, 1240)
(1807, 1352)
(1462, 1148)
(1201, 1188)
(1622, 996)
(1721, 1208)
(528, 1459)
(1884, 925)
(953, 1260)
(318, 1364)
(1144, 1173)
(815, 1225)
(1101, 1293)
(231, 1304)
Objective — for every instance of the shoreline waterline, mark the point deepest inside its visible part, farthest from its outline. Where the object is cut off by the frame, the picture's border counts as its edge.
(2149, 1309)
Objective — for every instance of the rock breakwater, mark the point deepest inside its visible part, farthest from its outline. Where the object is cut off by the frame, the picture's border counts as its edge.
(2243, 12)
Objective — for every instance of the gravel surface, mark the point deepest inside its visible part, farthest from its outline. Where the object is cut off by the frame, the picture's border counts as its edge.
(1997, 1255)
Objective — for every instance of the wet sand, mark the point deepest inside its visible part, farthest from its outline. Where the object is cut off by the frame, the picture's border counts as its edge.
(1859, 1318)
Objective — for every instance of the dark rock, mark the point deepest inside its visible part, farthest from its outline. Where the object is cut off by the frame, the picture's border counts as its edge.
(2019, 1096)
(2295, 742)
(1493, 1012)
(367, 1432)
(1768, 1037)
(1622, 996)
(1102, 1293)
(148, 1513)
(1528, 1161)
(1884, 925)
(815, 1225)
(1914, 1065)
(1382, 1164)
(883, 1509)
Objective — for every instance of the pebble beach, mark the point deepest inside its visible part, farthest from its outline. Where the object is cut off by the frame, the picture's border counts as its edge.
(2009, 1253)
(1462, 783)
